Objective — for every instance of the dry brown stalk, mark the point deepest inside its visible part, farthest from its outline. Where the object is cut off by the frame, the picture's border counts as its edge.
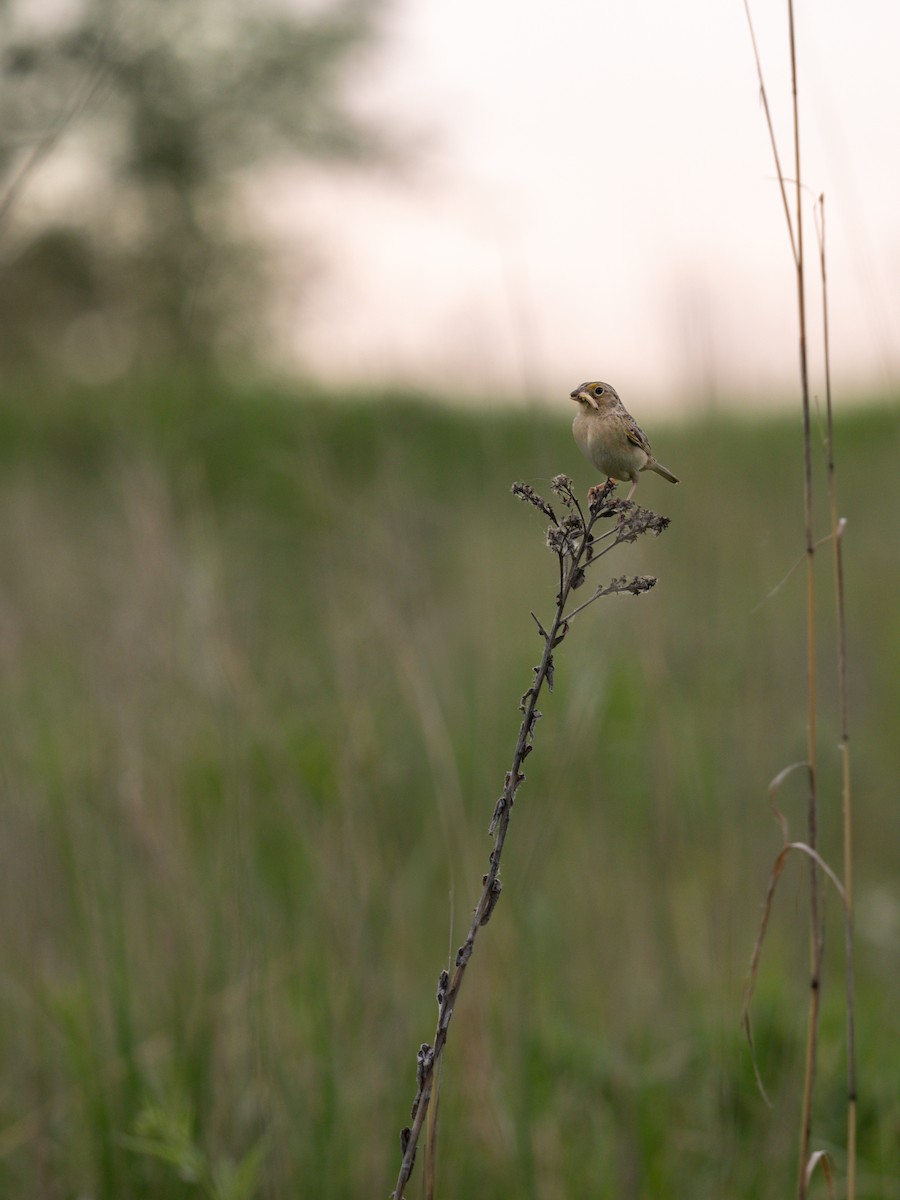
(577, 546)
(816, 928)
(837, 535)
(807, 1160)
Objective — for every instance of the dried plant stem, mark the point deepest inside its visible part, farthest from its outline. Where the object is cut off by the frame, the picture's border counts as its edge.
(816, 938)
(837, 528)
(764, 96)
(816, 943)
(572, 540)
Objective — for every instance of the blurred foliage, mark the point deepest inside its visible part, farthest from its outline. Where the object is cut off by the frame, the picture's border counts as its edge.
(161, 106)
(260, 663)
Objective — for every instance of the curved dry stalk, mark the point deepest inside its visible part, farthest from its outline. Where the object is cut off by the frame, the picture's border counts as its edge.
(571, 540)
(788, 848)
(821, 1159)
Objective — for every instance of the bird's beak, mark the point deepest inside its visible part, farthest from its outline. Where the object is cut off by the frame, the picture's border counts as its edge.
(580, 395)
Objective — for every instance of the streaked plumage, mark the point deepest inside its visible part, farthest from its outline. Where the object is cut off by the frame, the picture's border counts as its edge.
(608, 435)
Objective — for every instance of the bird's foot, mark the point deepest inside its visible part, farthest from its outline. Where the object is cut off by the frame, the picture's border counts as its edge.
(600, 497)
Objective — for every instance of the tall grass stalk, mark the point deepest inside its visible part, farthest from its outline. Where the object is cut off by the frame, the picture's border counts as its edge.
(816, 928)
(837, 535)
(577, 547)
(807, 1161)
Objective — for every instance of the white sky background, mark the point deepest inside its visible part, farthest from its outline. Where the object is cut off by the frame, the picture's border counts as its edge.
(589, 193)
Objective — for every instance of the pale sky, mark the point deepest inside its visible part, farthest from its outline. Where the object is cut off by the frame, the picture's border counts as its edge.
(589, 193)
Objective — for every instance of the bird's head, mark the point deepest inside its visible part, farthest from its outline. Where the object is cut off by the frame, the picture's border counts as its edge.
(597, 396)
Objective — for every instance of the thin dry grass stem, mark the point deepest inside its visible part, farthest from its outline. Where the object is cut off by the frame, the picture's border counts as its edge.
(816, 933)
(816, 941)
(572, 540)
(764, 97)
(822, 541)
(838, 525)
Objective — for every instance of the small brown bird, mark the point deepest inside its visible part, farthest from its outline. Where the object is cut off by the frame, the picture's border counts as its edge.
(608, 435)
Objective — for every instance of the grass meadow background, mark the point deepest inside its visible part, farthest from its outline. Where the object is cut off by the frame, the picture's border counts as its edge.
(260, 660)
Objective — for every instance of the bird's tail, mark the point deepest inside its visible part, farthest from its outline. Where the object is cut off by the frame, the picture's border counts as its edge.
(661, 470)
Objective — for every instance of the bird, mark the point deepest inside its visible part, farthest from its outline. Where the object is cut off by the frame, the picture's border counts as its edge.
(607, 434)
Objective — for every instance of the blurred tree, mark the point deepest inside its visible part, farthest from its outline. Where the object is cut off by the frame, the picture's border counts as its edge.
(149, 113)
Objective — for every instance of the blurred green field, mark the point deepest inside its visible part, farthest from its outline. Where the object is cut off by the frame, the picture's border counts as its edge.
(261, 659)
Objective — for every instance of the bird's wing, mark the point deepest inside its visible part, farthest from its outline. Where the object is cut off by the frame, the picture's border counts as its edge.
(636, 435)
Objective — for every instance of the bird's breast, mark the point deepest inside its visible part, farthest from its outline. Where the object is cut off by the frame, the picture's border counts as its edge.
(581, 429)
(604, 442)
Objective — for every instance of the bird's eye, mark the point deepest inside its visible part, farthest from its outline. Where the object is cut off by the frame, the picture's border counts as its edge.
(598, 390)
